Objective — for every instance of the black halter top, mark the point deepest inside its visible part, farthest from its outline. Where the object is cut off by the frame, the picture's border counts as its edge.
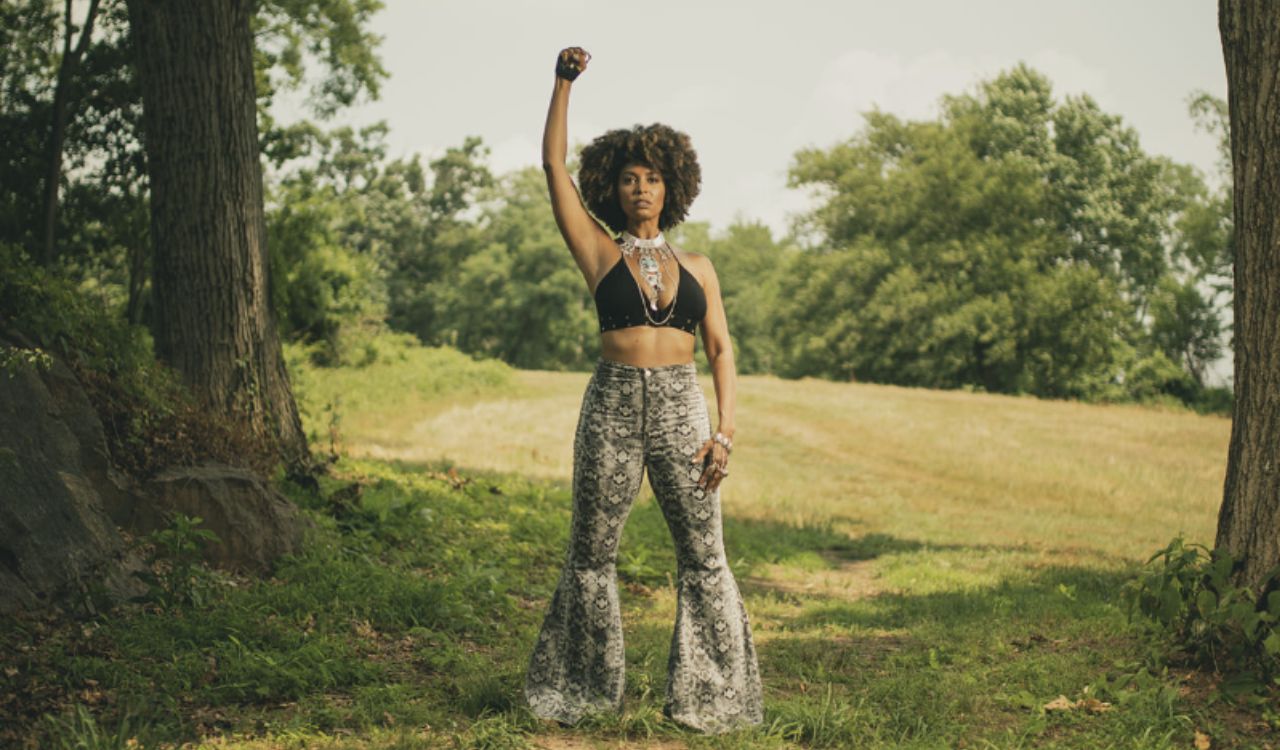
(619, 303)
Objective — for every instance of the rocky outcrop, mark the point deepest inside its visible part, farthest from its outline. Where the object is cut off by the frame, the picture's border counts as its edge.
(63, 503)
(57, 543)
(255, 524)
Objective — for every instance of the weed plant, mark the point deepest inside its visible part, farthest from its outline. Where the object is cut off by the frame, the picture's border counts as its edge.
(172, 571)
(1187, 596)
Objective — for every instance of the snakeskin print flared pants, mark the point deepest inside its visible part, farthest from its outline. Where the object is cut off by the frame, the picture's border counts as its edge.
(633, 419)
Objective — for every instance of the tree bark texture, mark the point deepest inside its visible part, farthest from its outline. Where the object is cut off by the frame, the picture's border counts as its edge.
(1249, 521)
(214, 322)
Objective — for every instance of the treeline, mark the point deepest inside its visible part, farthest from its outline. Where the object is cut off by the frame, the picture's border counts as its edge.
(1017, 243)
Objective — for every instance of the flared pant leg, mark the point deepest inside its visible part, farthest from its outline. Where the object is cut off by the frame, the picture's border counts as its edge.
(713, 682)
(632, 419)
(577, 665)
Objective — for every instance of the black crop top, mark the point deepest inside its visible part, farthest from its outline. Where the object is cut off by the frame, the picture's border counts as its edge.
(619, 305)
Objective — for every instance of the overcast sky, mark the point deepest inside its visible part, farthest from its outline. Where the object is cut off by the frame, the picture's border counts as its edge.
(753, 82)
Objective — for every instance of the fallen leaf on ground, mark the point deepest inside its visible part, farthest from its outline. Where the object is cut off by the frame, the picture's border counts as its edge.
(1092, 705)
(1059, 704)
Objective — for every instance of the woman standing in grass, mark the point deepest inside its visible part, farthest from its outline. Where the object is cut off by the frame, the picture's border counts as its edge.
(643, 409)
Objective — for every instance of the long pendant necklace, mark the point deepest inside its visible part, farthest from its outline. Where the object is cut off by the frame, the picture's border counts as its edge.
(651, 254)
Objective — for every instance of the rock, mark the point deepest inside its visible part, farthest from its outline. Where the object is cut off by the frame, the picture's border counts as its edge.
(254, 523)
(116, 489)
(57, 542)
(64, 504)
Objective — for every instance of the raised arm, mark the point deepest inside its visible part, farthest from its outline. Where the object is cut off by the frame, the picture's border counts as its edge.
(587, 241)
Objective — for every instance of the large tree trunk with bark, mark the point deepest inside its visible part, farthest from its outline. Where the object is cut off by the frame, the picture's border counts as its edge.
(1249, 521)
(214, 322)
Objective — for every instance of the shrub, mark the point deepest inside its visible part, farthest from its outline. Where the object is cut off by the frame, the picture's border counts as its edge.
(1185, 592)
(150, 419)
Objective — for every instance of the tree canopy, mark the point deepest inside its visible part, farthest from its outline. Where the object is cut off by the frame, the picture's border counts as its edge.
(1016, 243)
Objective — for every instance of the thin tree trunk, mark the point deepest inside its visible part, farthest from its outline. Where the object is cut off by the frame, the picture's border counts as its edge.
(136, 255)
(210, 282)
(62, 110)
(1249, 521)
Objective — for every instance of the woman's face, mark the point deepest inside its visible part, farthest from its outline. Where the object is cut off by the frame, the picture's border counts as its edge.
(641, 192)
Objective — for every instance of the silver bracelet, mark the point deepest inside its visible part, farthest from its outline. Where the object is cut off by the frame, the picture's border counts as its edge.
(726, 442)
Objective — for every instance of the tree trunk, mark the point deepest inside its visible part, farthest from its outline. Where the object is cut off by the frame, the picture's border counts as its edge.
(62, 110)
(1249, 521)
(136, 257)
(210, 280)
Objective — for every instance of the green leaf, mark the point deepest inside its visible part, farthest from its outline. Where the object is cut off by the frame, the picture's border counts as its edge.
(1249, 624)
(1242, 612)
(1220, 569)
(1170, 605)
(1206, 602)
(1240, 685)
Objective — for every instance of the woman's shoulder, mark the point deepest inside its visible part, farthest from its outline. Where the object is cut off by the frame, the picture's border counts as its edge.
(688, 256)
(697, 263)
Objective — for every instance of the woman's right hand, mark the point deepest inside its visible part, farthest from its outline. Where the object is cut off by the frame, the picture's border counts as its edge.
(571, 62)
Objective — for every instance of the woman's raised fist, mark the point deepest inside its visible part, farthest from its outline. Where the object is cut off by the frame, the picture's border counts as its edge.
(571, 62)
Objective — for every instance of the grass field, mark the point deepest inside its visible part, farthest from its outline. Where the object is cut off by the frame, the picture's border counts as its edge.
(943, 467)
(922, 569)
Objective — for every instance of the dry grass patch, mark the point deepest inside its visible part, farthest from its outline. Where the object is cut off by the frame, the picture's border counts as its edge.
(946, 466)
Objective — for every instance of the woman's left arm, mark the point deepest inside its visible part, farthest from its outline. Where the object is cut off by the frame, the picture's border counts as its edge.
(719, 348)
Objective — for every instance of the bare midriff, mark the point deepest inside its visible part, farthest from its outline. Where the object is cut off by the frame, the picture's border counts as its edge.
(647, 346)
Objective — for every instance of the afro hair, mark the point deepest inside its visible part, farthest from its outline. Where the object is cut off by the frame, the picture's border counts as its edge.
(655, 146)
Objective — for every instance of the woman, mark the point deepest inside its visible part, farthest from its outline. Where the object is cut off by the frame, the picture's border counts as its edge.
(643, 409)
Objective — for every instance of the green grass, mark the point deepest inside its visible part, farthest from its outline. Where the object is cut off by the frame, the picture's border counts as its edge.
(921, 569)
(402, 377)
